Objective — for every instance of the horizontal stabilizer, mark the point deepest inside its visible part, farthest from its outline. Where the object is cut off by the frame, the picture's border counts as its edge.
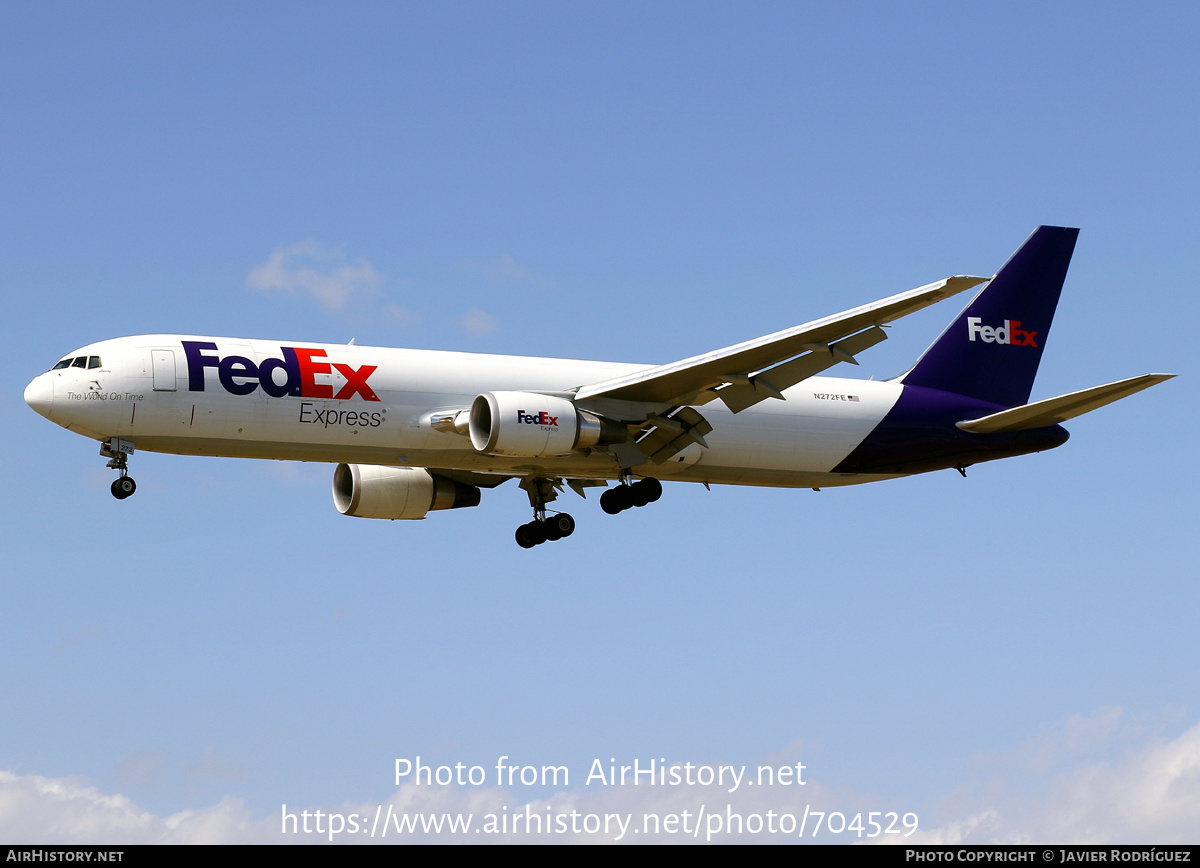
(1042, 414)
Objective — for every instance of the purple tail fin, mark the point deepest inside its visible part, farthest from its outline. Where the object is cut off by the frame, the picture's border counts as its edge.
(992, 350)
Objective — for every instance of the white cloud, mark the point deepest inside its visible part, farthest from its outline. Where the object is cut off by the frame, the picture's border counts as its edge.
(1150, 794)
(73, 636)
(506, 269)
(144, 768)
(216, 766)
(309, 267)
(38, 810)
(478, 322)
(34, 809)
(400, 314)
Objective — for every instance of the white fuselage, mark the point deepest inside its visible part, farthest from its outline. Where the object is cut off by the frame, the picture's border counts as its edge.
(145, 390)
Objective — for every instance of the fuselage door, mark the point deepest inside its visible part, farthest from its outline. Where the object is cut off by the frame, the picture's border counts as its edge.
(164, 370)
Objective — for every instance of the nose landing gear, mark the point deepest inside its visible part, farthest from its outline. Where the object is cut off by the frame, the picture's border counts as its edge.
(123, 487)
(117, 452)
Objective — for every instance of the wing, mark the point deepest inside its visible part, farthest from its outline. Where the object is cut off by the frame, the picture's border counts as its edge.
(746, 373)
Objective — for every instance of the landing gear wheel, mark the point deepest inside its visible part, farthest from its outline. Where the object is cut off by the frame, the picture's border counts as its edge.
(123, 487)
(622, 498)
(523, 539)
(609, 501)
(652, 489)
(559, 526)
(628, 495)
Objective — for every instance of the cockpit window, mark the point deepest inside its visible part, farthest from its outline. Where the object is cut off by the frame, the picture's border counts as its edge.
(78, 362)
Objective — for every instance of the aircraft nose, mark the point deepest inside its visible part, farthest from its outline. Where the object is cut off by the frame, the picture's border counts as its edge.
(39, 395)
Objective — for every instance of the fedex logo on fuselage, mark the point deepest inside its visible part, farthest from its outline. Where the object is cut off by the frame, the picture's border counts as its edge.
(1009, 333)
(542, 418)
(300, 366)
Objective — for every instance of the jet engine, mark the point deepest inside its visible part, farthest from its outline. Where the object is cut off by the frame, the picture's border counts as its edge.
(532, 425)
(372, 491)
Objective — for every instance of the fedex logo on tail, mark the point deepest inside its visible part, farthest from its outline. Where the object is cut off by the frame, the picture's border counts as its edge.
(300, 366)
(1009, 333)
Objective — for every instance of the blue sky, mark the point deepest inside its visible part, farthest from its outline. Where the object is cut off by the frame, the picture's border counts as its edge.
(1011, 656)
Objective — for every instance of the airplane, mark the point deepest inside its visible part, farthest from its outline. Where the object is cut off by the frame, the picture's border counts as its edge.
(414, 431)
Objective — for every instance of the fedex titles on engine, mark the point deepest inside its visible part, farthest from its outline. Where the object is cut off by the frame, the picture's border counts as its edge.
(540, 418)
(1010, 333)
(300, 366)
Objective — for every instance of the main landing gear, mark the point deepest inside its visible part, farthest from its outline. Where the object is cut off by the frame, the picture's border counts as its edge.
(117, 452)
(543, 528)
(627, 495)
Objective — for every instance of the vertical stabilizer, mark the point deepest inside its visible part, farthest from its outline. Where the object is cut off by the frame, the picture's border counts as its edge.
(992, 350)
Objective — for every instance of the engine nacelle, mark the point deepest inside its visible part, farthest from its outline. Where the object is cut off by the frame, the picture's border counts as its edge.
(531, 425)
(372, 491)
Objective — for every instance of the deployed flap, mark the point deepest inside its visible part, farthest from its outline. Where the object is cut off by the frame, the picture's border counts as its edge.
(681, 382)
(672, 434)
(579, 485)
(471, 477)
(1042, 414)
(772, 382)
